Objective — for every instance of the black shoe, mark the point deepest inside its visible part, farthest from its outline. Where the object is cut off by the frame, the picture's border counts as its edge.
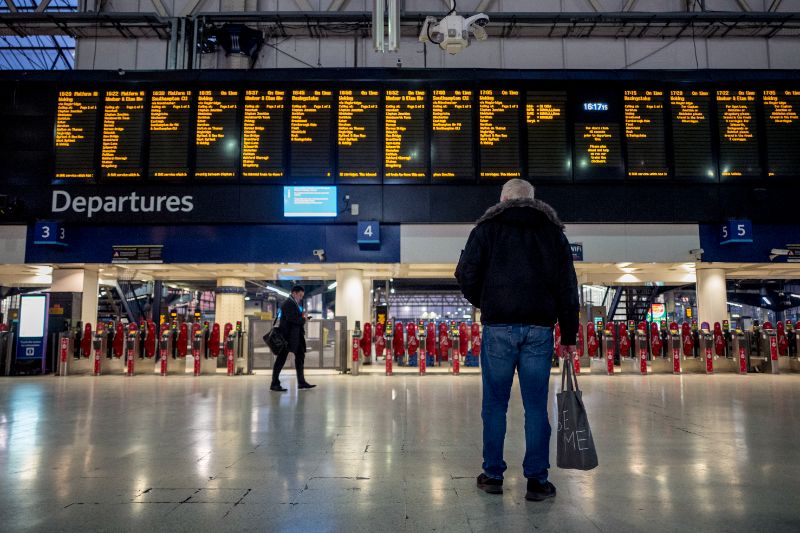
(306, 386)
(490, 485)
(277, 388)
(538, 492)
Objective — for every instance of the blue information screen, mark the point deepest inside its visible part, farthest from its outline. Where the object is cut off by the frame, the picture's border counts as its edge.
(309, 201)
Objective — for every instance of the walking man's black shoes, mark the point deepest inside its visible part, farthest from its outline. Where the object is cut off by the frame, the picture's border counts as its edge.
(277, 388)
(306, 386)
(490, 485)
(538, 492)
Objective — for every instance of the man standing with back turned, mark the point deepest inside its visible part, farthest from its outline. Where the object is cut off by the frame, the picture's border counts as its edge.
(517, 268)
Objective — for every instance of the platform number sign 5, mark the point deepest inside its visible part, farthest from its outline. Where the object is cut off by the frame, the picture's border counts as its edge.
(369, 232)
(736, 231)
(50, 233)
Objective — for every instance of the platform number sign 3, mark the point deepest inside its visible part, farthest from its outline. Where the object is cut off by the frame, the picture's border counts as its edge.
(736, 231)
(369, 232)
(50, 233)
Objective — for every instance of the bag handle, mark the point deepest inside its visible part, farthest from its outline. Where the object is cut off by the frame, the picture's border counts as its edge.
(568, 374)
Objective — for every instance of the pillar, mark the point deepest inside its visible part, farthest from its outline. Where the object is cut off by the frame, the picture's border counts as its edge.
(350, 295)
(712, 296)
(83, 282)
(229, 301)
(366, 284)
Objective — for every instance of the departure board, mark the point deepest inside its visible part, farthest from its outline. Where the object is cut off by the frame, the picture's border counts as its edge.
(781, 110)
(310, 133)
(451, 137)
(216, 134)
(498, 133)
(546, 120)
(76, 124)
(404, 137)
(169, 133)
(738, 138)
(262, 133)
(358, 133)
(644, 133)
(691, 134)
(123, 132)
(598, 150)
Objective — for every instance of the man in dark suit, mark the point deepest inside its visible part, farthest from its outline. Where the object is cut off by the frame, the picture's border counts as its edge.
(291, 324)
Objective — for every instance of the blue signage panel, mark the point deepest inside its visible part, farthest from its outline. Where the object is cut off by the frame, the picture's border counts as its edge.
(369, 232)
(51, 233)
(309, 201)
(32, 335)
(736, 231)
(771, 243)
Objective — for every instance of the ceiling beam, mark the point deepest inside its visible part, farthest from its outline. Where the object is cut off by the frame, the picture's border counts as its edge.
(484, 5)
(744, 6)
(42, 6)
(774, 5)
(629, 5)
(11, 6)
(303, 5)
(338, 5)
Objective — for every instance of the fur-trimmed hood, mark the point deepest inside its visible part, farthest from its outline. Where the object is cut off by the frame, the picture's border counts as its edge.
(538, 205)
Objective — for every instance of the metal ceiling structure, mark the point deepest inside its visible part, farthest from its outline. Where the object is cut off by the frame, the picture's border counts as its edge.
(42, 35)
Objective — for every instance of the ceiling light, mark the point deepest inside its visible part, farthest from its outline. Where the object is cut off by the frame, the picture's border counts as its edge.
(332, 286)
(734, 305)
(766, 300)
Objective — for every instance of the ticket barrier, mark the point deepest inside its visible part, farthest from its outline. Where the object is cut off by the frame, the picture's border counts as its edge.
(430, 344)
(75, 355)
(455, 360)
(784, 359)
(474, 354)
(669, 360)
(604, 363)
(412, 345)
(355, 360)
(700, 342)
(628, 352)
(423, 359)
(366, 344)
(581, 357)
(763, 356)
(738, 350)
(725, 356)
(640, 350)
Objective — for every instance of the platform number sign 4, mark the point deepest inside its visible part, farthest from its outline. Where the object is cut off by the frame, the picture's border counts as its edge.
(50, 233)
(736, 231)
(369, 232)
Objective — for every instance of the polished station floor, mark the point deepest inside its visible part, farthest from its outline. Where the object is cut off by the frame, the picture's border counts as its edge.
(383, 454)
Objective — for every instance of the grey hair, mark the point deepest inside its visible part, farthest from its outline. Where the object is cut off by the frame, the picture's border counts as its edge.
(516, 188)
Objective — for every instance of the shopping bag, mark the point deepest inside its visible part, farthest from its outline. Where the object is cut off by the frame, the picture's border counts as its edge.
(275, 340)
(575, 445)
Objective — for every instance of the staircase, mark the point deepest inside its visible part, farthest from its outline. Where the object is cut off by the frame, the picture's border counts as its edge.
(631, 303)
(125, 301)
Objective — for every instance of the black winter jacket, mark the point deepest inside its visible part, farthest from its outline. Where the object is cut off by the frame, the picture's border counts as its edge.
(291, 325)
(517, 268)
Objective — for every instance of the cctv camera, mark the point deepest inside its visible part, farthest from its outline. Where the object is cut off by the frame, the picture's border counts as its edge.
(452, 33)
(697, 253)
(320, 254)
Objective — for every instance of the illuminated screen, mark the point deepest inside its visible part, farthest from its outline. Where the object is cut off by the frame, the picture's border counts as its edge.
(310, 133)
(691, 134)
(317, 201)
(216, 134)
(546, 120)
(262, 134)
(32, 316)
(76, 125)
(498, 133)
(781, 110)
(404, 136)
(598, 150)
(644, 133)
(738, 135)
(358, 133)
(123, 134)
(169, 134)
(451, 134)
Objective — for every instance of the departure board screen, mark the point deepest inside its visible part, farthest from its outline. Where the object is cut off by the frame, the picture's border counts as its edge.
(738, 138)
(216, 134)
(691, 134)
(358, 133)
(598, 153)
(644, 133)
(76, 124)
(169, 133)
(404, 138)
(498, 133)
(310, 133)
(451, 137)
(262, 134)
(123, 132)
(781, 110)
(546, 120)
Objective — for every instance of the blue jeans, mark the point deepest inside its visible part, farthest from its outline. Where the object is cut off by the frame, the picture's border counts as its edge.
(529, 351)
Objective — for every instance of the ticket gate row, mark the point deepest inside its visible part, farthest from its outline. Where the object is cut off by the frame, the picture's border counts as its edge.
(132, 349)
(646, 348)
(419, 345)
